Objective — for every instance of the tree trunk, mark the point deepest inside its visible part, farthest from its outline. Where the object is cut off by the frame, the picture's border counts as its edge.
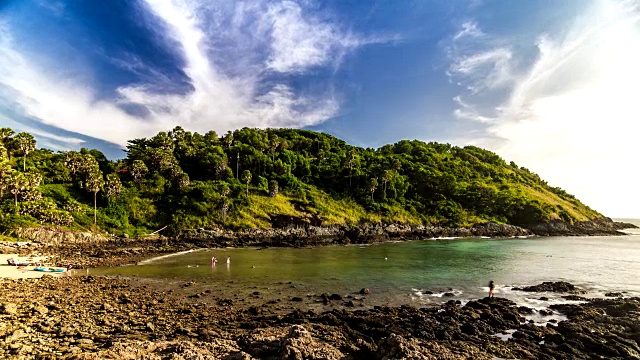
(24, 163)
(15, 196)
(95, 209)
(247, 190)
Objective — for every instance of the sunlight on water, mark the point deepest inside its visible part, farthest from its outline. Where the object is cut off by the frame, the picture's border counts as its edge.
(406, 272)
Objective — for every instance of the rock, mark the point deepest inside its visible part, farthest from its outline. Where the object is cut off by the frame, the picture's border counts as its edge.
(350, 303)
(548, 286)
(448, 294)
(9, 308)
(613, 294)
(41, 309)
(364, 291)
(296, 298)
(335, 297)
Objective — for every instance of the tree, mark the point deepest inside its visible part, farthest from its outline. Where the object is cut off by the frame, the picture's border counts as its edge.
(17, 184)
(273, 188)
(273, 146)
(113, 186)
(373, 185)
(5, 171)
(183, 179)
(5, 138)
(386, 177)
(74, 161)
(26, 143)
(138, 171)
(224, 202)
(93, 183)
(246, 177)
(227, 139)
(224, 209)
(353, 155)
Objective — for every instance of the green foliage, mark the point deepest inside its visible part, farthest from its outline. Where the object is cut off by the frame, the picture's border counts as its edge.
(241, 180)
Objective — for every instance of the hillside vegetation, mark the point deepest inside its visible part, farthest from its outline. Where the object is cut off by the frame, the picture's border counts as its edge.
(248, 178)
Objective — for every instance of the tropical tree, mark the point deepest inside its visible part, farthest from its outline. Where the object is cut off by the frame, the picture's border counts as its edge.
(138, 171)
(224, 208)
(5, 138)
(25, 143)
(386, 177)
(17, 183)
(183, 179)
(113, 186)
(373, 185)
(93, 183)
(246, 177)
(351, 160)
(5, 171)
(273, 188)
(74, 162)
(224, 202)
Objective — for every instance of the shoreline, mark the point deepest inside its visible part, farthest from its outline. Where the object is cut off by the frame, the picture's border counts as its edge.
(85, 250)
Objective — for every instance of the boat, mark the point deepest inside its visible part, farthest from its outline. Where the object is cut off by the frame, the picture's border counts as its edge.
(46, 269)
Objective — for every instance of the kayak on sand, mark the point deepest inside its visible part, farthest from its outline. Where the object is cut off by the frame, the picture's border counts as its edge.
(46, 269)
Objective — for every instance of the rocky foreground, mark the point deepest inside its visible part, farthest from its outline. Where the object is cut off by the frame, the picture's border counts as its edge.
(86, 317)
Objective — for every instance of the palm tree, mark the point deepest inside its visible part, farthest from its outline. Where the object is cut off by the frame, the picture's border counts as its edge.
(112, 186)
(386, 177)
(5, 138)
(373, 185)
(93, 183)
(246, 177)
(138, 171)
(26, 143)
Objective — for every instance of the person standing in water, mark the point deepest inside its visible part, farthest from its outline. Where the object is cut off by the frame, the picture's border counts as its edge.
(491, 287)
(228, 259)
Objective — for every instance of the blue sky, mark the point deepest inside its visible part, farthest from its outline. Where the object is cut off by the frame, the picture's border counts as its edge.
(548, 84)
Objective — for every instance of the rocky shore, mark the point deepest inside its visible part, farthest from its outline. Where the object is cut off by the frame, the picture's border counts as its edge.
(86, 317)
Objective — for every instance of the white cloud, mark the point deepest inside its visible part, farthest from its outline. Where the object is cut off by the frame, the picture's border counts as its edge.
(469, 29)
(573, 116)
(221, 45)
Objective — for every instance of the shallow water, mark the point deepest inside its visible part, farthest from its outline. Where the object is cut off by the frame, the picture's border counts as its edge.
(403, 272)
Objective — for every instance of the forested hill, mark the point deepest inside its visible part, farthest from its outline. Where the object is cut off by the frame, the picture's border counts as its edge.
(250, 177)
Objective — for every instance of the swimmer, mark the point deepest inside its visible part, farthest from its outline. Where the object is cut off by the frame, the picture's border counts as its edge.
(213, 260)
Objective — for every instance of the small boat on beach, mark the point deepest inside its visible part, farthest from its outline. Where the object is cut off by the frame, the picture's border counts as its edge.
(46, 269)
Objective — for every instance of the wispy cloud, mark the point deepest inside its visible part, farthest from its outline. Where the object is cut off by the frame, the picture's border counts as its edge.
(469, 29)
(572, 115)
(238, 59)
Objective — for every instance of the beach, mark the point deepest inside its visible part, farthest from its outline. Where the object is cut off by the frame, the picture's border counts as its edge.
(24, 272)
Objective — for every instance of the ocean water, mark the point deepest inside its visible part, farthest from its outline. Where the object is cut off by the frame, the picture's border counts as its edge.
(404, 272)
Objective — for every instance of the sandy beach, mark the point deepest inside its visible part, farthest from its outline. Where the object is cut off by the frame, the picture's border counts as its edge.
(24, 272)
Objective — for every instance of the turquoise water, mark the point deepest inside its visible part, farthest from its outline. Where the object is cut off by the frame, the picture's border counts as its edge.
(402, 272)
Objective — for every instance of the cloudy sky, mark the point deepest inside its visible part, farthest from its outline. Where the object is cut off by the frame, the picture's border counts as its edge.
(551, 85)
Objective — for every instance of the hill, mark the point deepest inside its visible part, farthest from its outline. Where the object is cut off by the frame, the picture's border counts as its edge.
(251, 178)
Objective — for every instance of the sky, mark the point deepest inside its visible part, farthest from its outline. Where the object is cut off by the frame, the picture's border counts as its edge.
(551, 85)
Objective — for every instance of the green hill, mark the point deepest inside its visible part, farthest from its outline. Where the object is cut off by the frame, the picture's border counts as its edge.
(250, 177)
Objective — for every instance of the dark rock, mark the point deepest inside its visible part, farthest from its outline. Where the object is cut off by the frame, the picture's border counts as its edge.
(296, 298)
(364, 291)
(548, 286)
(448, 294)
(613, 294)
(335, 297)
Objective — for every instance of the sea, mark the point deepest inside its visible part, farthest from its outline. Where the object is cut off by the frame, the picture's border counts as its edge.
(418, 273)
